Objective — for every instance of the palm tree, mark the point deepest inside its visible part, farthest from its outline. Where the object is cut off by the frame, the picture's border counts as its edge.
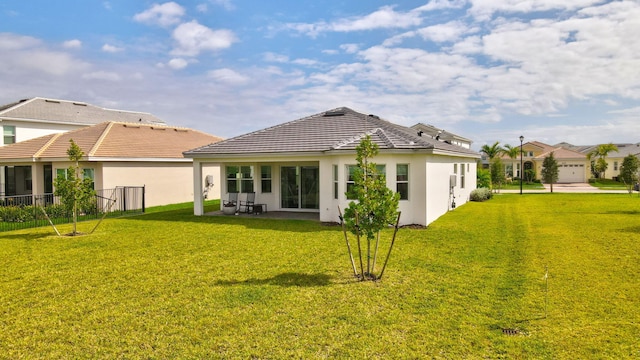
(511, 151)
(493, 152)
(598, 155)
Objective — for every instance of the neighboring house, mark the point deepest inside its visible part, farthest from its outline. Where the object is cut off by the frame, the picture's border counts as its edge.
(307, 165)
(116, 154)
(572, 165)
(31, 118)
(614, 159)
(442, 135)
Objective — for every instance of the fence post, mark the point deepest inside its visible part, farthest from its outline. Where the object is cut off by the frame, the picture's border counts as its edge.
(124, 198)
(144, 188)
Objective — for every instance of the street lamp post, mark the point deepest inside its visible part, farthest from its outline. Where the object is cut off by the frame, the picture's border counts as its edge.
(521, 168)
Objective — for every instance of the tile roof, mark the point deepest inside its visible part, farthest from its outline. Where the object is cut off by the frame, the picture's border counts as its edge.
(333, 130)
(70, 112)
(112, 140)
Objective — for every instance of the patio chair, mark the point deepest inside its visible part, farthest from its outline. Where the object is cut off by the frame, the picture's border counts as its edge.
(233, 200)
(249, 203)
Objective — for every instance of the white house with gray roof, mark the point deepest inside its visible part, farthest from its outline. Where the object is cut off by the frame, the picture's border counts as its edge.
(307, 164)
(31, 118)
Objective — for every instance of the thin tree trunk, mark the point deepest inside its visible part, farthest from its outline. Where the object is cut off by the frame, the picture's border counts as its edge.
(346, 239)
(375, 253)
(359, 246)
(393, 240)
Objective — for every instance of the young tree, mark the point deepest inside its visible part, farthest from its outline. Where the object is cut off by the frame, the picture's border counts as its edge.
(629, 171)
(497, 173)
(550, 170)
(376, 206)
(75, 192)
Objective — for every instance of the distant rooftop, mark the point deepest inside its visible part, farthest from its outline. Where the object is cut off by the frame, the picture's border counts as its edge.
(40, 109)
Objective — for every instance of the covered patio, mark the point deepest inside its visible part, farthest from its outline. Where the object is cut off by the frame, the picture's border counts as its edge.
(284, 215)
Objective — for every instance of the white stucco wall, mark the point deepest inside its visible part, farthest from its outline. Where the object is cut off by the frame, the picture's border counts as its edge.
(31, 130)
(427, 200)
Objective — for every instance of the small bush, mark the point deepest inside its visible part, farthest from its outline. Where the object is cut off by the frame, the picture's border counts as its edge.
(481, 194)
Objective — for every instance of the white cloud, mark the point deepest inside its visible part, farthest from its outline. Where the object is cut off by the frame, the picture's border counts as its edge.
(202, 8)
(485, 9)
(178, 63)
(72, 44)
(24, 55)
(102, 75)
(225, 4)
(440, 33)
(111, 48)
(384, 18)
(166, 14)
(441, 5)
(273, 57)
(192, 39)
(227, 76)
(350, 48)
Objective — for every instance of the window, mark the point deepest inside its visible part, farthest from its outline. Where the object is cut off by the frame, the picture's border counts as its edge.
(239, 179)
(402, 181)
(61, 173)
(351, 170)
(89, 174)
(462, 171)
(531, 153)
(9, 132)
(381, 170)
(615, 165)
(265, 179)
(335, 182)
(455, 169)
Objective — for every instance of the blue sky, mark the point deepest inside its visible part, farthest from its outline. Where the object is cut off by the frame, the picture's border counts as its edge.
(489, 70)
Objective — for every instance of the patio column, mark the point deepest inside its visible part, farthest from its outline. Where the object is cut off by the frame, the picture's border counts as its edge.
(198, 201)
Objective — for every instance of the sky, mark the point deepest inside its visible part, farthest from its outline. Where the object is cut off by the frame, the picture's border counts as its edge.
(489, 70)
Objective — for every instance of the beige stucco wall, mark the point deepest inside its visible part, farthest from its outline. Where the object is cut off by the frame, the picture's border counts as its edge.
(165, 182)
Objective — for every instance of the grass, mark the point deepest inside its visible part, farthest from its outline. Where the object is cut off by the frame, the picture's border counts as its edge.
(515, 185)
(171, 285)
(608, 184)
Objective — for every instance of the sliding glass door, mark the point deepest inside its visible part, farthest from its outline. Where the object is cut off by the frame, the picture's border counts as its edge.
(299, 187)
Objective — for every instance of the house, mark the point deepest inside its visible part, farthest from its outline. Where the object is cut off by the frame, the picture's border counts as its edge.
(116, 154)
(614, 159)
(31, 118)
(572, 165)
(442, 135)
(306, 165)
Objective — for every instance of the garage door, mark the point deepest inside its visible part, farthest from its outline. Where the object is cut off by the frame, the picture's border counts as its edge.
(571, 173)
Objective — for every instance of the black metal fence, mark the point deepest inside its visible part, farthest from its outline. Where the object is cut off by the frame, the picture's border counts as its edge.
(28, 211)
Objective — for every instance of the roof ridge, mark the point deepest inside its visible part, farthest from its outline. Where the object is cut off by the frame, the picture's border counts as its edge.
(98, 142)
(383, 135)
(16, 104)
(46, 146)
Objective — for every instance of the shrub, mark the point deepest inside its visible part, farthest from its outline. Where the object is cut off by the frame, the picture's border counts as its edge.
(481, 194)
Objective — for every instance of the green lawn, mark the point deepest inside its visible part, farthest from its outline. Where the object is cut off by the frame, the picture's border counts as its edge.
(515, 185)
(171, 285)
(608, 184)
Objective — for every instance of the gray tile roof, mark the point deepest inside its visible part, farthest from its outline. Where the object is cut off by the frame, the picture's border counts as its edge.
(70, 112)
(333, 130)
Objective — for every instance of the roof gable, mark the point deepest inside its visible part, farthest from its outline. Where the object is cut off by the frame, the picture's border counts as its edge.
(334, 130)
